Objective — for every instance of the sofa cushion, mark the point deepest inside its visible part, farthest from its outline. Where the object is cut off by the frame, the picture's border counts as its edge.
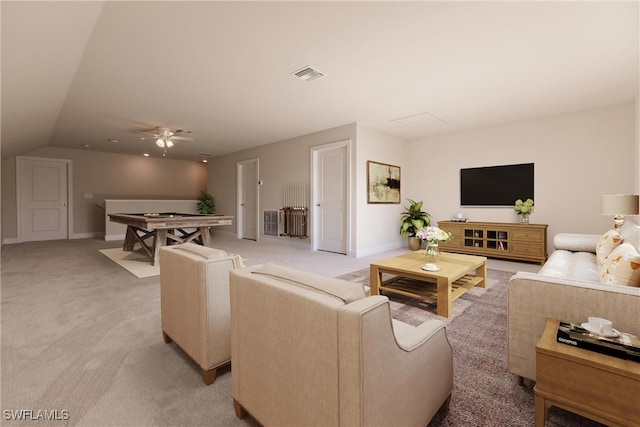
(630, 231)
(572, 265)
(576, 242)
(608, 242)
(622, 266)
(341, 289)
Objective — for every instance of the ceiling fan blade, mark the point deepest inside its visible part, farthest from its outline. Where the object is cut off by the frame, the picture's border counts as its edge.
(150, 132)
(162, 132)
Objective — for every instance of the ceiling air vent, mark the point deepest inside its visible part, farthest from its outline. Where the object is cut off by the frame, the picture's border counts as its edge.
(308, 73)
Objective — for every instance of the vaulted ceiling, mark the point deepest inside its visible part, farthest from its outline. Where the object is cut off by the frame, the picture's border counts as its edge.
(78, 74)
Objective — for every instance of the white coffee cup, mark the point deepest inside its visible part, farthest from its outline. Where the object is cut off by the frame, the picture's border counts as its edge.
(600, 325)
(459, 216)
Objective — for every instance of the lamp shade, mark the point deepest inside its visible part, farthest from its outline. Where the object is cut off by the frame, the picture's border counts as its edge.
(619, 204)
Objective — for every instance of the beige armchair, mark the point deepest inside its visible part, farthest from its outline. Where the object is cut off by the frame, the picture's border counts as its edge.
(194, 303)
(311, 350)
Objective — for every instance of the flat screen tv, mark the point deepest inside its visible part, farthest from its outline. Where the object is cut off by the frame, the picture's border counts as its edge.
(496, 185)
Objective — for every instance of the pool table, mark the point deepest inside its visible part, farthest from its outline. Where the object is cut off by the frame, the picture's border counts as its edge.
(167, 228)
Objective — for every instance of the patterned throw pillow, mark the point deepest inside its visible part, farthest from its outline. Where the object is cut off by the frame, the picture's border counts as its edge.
(622, 266)
(608, 242)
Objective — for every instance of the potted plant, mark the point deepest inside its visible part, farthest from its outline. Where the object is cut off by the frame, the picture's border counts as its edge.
(413, 220)
(206, 203)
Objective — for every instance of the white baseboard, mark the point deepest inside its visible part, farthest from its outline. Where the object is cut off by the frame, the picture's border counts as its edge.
(13, 240)
(85, 235)
(377, 249)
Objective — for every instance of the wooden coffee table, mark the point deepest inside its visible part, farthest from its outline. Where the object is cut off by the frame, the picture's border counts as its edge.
(441, 287)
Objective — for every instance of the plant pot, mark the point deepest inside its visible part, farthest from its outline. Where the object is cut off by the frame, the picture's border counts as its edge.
(414, 243)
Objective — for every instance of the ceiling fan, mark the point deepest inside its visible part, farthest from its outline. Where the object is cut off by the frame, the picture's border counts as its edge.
(165, 137)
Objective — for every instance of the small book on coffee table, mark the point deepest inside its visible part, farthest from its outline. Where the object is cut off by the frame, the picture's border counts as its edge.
(622, 345)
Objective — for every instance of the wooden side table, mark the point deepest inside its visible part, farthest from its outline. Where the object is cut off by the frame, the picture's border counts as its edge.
(600, 387)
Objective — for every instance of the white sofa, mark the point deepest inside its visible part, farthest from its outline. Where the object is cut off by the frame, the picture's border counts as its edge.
(567, 288)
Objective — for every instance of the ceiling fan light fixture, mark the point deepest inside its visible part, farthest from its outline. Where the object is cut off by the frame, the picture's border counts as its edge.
(165, 138)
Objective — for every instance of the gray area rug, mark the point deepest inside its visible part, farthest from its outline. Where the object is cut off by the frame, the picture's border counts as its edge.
(81, 334)
(413, 311)
(485, 393)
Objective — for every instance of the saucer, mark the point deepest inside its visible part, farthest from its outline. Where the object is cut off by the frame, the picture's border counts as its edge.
(614, 333)
(430, 267)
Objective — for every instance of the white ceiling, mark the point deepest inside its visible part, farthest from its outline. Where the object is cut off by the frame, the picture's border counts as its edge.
(77, 73)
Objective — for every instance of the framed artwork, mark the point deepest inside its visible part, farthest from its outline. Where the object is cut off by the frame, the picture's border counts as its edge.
(383, 183)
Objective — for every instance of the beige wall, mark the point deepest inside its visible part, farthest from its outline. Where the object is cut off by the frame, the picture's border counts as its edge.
(373, 227)
(378, 224)
(637, 152)
(281, 163)
(574, 153)
(106, 176)
(578, 156)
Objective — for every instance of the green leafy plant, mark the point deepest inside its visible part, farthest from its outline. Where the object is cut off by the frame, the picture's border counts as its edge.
(413, 219)
(206, 203)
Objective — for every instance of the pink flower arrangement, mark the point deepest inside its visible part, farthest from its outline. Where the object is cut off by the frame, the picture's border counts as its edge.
(434, 235)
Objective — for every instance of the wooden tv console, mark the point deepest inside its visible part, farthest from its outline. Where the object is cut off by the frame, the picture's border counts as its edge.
(516, 241)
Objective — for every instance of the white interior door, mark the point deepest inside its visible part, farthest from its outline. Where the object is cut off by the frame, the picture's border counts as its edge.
(330, 198)
(248, 199)
(43, 199)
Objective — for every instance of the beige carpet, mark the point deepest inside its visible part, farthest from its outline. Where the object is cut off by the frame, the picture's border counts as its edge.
(83, 335)
(137, 262)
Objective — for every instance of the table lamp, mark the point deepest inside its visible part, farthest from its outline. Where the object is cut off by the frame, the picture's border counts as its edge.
(619, 205)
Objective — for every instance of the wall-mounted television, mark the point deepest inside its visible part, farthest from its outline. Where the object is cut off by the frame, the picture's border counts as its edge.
(496, 185)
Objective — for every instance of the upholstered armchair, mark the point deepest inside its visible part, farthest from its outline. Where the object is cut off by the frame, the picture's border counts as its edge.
(194, 303)
(313, 350)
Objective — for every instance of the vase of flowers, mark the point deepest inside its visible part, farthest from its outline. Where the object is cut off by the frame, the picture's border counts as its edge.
(433, 236)
(432, 252)
(524, 209)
